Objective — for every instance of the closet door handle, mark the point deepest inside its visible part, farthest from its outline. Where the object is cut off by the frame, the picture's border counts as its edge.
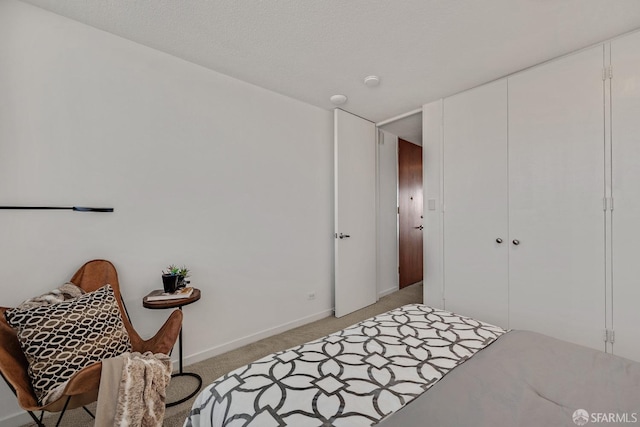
(516, 242)
(498, 240)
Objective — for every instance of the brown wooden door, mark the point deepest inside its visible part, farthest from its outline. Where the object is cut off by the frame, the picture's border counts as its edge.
(410, 212)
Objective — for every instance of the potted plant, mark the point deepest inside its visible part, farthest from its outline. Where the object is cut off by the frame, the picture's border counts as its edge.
(173, 277)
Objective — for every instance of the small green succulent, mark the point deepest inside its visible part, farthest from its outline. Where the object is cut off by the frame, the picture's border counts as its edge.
(174, 270)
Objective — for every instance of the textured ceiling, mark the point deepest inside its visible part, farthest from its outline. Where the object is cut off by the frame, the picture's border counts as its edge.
(312, 49)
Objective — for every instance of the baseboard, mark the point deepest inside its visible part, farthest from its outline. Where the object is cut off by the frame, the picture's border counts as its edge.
(232, 345)
(387, 292)
(16, 420)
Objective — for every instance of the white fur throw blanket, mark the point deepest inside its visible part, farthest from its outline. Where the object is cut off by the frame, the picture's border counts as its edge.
(133, 390)
(66, 292)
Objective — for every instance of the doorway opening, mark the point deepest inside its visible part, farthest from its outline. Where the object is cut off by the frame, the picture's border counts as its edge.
(407, 229)
(410, 213)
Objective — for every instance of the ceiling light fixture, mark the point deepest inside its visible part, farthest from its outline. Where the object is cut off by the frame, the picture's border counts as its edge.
(338, 99)
(372, 81)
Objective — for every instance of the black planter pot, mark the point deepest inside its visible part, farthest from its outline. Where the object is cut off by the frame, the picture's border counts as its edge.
(170, 282)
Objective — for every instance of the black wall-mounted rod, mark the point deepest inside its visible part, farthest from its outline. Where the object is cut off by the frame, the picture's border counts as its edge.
(70, 208)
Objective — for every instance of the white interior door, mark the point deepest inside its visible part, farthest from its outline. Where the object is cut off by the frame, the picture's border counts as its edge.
(625, 139)
(556, 191)
(475, 197)
(355, 213)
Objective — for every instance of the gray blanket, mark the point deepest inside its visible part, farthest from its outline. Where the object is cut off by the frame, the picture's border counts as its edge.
(526, 379)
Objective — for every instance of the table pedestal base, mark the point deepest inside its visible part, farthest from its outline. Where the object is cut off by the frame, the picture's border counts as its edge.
(193, 393)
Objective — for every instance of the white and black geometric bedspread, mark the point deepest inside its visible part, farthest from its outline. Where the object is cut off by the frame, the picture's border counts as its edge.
(354, 377)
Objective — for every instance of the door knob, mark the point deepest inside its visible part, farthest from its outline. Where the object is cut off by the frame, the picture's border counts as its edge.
(420, 227)
(498, 240)
(516, 242)
(343, 236)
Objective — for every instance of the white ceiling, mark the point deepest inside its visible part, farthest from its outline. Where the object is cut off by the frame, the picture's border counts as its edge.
(312, 49)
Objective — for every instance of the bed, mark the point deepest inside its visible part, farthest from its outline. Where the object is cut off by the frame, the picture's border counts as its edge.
(418, 366)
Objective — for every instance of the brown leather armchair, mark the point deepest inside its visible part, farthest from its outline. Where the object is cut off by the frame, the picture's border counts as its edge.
(82, 388)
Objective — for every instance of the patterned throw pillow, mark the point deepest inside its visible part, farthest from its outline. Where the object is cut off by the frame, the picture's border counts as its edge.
(60, 339)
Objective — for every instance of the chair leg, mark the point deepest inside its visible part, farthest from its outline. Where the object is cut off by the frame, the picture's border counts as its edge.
(89, 412)
(63, 411)
(38, 421)
(13, 390)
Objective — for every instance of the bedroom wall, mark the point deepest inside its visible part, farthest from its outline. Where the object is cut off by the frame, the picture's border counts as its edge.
(202, 169)
(433, 291)
(388, 280)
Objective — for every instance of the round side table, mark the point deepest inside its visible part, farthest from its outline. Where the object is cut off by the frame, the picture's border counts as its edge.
(177, 303)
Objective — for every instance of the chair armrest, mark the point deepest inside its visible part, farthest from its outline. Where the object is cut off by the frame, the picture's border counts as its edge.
(164, 340)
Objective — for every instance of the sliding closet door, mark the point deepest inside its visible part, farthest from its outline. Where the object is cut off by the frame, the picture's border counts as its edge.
(475, 198)
(556, 190)
(625, 137)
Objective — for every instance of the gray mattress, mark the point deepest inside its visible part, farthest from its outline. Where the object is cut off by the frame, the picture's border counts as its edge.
(527, 379)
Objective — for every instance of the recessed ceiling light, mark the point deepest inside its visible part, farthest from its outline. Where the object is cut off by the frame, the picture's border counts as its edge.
(372, 81)
(338, 99)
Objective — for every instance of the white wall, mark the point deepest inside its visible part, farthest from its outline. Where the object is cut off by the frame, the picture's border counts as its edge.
(433, 204)
(230, 179)
(388, 280)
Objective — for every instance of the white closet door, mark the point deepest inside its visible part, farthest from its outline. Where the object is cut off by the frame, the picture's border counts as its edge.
(475, 198)
(355, 213)
(625, 106)
(556, 190)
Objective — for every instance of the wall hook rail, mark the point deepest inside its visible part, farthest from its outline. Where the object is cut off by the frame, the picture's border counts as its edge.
(71, 208)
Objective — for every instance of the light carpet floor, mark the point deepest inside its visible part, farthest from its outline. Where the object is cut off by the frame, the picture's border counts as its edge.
(215, 367)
